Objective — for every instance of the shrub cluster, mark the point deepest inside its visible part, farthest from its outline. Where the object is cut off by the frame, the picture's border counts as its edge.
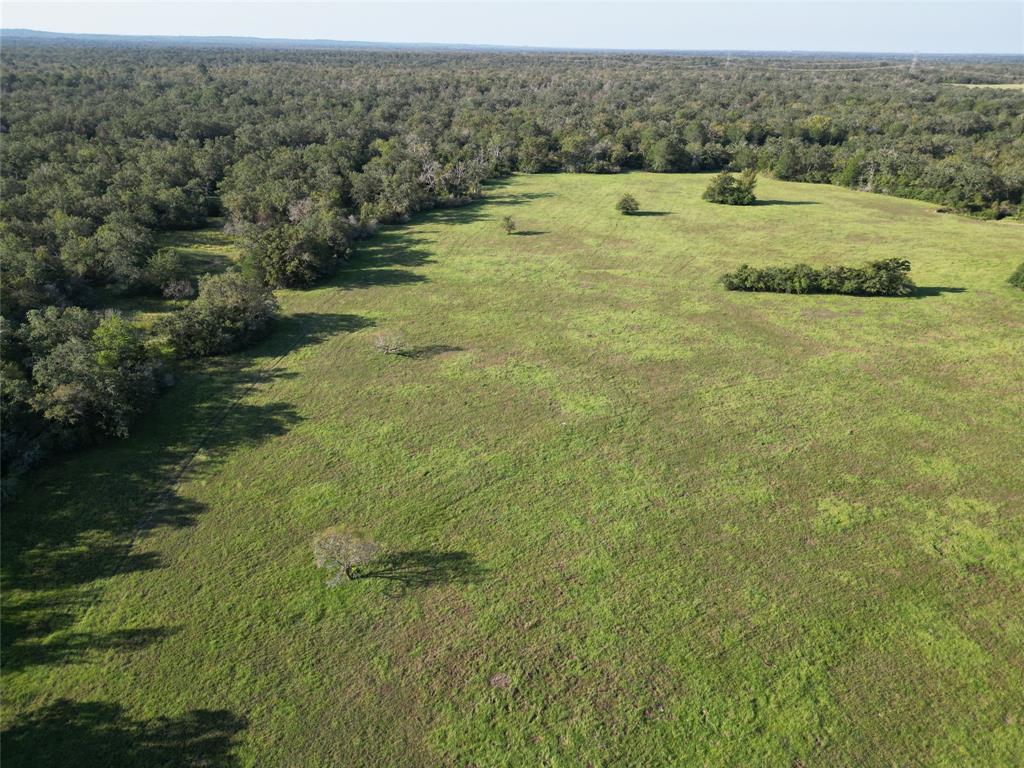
(889, 277)
(231, 311)
(728, 190)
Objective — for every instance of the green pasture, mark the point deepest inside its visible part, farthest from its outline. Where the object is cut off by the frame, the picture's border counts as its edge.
(631, 518)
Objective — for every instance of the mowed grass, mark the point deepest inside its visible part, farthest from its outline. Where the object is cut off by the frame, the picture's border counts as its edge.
(637, 519)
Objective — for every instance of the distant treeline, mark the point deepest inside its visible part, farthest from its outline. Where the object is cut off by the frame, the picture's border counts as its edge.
(104, 146)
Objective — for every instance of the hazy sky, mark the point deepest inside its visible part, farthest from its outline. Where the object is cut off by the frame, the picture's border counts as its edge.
(823, 25)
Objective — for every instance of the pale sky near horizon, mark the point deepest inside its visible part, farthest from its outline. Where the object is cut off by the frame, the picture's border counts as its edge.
(909, 26)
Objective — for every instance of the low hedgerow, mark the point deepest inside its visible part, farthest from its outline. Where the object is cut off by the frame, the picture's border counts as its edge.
(889, 277)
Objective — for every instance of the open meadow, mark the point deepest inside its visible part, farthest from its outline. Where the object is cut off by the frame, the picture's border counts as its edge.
(630, 518)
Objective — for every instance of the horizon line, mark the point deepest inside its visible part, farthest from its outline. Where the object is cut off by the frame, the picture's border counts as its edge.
(312, 41)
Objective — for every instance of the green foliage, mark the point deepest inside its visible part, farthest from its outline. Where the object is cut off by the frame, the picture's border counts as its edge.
(727, 189)
(45, 330)
(83, 375)
(887, 277)
(508, 224)
(86, 389)
(296, 253)
(627, 204)
(117, 343)
(230, 312)
(164, 267)
(1017, 278)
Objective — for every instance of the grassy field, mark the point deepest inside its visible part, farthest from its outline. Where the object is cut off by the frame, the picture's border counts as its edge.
(633, 519)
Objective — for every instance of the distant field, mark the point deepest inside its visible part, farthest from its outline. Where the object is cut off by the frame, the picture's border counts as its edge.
(638, 520)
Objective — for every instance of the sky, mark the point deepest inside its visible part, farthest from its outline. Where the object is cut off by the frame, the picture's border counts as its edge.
(910, 26)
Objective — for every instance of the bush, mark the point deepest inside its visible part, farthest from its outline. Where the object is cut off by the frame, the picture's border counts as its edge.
(1017, 278)
(163, 268)
(889, 277)
(627, 205)
(508, 224)
(231, 312)
(727, 189)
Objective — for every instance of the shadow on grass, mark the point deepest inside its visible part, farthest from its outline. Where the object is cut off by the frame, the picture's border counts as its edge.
(473, 210)
(530, 232)
(417, 569)
(99, 733)
(785, 202)
(303, 329)
(428, 351)
(378, 261)
(924, 291)
(651, 213)
(24, 648)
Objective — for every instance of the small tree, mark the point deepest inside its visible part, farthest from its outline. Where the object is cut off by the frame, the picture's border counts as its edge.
(389, 343)
(728, 190)
(343, 553)
(508, 224)
(627, 205)
(163, 268)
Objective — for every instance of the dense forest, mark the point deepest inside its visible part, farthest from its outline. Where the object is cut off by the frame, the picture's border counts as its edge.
(303, 151)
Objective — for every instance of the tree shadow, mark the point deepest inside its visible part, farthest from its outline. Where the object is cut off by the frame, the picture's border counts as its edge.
(529, 232)
(303, 329)
(473, 211)
(651, 213)
(924, 291)
(377, 261)
(99, 733)
(785, 202)
(418, 569)
(429, 350)
(23, 644)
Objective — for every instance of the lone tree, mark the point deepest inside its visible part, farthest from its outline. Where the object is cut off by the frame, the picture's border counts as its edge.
(343, 554)
(508, 224)
(627, 204)
(727, 189)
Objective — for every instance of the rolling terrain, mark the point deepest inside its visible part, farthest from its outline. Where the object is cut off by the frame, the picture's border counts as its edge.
(631, 518)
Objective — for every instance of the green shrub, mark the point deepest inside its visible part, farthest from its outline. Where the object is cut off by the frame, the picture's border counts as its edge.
(889, 277)
(728, 190)
(163, 268)
(627, 205)
(1017, 278)
(231, 312)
